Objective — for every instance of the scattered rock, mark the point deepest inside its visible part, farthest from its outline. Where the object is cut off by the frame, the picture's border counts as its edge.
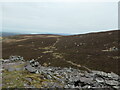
(99, 80)
(15, 58)
(30, 69)
(112, 82)
(111, 49)
(56, 77)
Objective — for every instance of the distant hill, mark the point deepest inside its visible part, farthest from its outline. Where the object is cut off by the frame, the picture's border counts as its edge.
(4, 34)
(96, 51)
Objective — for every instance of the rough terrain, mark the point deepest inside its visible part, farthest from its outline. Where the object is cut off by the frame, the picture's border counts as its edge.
(96, 51)
(19, 73)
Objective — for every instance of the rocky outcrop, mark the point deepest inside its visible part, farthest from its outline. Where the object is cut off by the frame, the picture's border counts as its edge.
(16, 58)
(13, 58)
(74, 78)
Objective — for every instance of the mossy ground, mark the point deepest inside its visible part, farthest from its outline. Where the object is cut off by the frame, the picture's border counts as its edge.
(13, 79)
(17, 79)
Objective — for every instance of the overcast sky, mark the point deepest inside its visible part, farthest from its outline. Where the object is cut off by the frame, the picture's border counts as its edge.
(59, 17)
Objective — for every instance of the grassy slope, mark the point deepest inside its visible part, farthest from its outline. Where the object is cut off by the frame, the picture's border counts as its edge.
(88, 50)
(81, 49)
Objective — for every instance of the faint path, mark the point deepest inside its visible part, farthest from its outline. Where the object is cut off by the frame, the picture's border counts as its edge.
(56, 42)
(51, 50)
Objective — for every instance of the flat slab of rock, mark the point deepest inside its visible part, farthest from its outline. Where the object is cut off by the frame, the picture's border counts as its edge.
(112, 82)
(30, 69)
(11, 69)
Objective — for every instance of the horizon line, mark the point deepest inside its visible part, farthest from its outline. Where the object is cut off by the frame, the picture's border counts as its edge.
(61, 33)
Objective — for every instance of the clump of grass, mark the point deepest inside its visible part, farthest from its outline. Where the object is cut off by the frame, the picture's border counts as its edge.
(57, 55)
(13, 79)
(17, 79)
